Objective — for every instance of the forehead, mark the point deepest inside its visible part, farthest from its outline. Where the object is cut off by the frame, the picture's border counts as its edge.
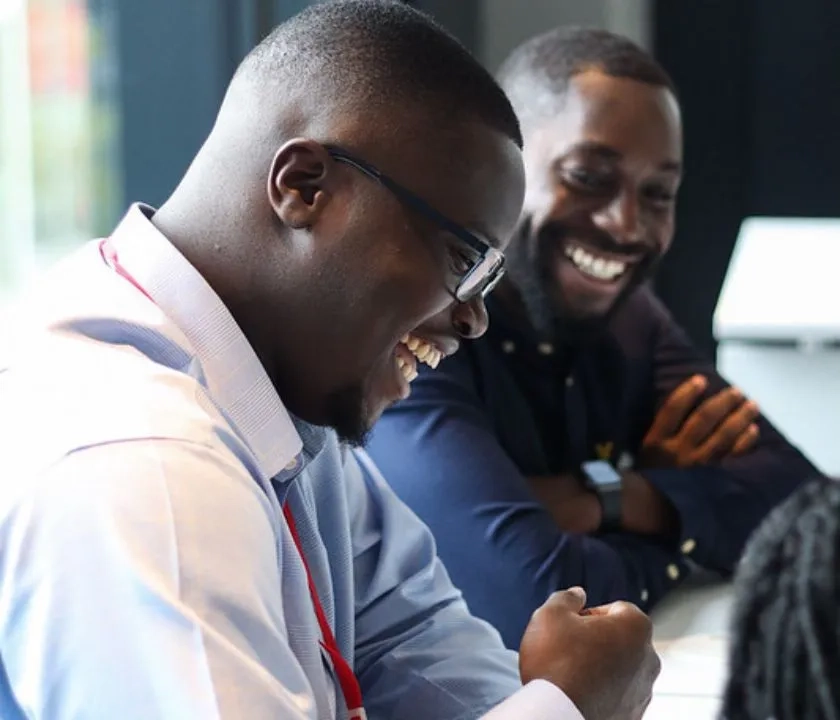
(467, 171)
(636, 120)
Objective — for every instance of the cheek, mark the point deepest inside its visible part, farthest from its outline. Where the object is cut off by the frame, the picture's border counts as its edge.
(664, 233)
(423, 294)
(557, 203)
(410, 288)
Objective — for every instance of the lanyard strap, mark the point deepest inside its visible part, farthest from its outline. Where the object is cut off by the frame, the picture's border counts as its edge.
(349, 684)
(347, 679)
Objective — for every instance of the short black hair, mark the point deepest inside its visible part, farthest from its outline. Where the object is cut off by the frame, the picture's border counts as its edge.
(785, 656)
(537, 73)
(378, 54)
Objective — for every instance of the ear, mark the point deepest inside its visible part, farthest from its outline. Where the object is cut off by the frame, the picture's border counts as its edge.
(296, 183)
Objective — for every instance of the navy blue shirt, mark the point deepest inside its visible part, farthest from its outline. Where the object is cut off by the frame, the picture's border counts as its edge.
(506, 407)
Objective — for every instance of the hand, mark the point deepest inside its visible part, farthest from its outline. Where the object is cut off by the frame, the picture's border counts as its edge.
(602, 659)
(722, 425)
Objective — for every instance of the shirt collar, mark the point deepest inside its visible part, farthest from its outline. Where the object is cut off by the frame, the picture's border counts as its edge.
(233, 374)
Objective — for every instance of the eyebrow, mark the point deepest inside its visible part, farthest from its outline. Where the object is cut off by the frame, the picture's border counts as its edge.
(480, 234)
(607, 153)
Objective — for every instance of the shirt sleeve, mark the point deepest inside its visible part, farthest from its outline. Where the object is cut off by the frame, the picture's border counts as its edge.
(124, 597)
(719, 504)
(419, 652)
(439, 451)
(538, 700)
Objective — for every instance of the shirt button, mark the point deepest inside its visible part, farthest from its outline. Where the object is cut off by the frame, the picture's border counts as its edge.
(673, 572)
(292, 464)
(545, 349)
(645, 595)
(508, 346)
(688, 546)
(570, 381)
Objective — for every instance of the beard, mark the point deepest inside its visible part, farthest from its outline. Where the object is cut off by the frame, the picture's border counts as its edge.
(531, 259)
(348, 414)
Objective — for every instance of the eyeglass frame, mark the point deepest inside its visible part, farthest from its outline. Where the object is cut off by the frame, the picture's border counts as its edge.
(491, 261)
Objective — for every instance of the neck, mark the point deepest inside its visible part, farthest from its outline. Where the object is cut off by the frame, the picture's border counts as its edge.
(208, 234)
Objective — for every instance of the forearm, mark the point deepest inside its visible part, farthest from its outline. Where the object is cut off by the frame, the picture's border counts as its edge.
(719, 506)
(573, 508)
(645, 510)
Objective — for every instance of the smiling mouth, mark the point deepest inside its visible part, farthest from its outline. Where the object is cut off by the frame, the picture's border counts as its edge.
(411, 350)
(595, 265)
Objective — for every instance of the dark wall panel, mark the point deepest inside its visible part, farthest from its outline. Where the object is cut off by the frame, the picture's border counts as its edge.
(795, 75)
(173, 62)
(705, 47)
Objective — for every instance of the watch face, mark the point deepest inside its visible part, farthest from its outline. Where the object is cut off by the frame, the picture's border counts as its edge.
(601, 474)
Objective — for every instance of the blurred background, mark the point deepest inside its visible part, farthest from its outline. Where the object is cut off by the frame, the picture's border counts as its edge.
(103, 102)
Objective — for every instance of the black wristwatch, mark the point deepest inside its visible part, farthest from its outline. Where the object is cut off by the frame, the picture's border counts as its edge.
(605, 481)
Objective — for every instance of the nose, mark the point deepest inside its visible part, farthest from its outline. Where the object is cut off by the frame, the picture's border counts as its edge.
(620, 217)
(470, 319)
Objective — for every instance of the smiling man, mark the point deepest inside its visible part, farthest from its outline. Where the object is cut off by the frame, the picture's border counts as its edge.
(182, 535)
(583, 440)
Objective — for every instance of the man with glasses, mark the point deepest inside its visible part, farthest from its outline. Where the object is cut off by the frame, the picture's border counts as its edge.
(583, 440)
(182, 533)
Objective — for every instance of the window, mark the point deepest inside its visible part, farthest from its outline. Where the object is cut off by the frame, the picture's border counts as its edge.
(60, 180)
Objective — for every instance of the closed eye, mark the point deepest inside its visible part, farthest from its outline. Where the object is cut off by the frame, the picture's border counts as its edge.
(459, 261)
(581, 179)
(661, 196)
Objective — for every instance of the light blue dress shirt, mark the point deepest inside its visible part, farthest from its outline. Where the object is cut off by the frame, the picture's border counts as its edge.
(146, 570)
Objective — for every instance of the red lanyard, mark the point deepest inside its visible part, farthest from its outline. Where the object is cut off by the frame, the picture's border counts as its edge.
(349, 684)
(347, 679)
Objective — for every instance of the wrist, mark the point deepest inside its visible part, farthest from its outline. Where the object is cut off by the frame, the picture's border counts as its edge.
(645, 510)
(573, 508)
(606, 485)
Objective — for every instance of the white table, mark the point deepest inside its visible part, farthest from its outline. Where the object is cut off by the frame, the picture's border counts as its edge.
(691, 627)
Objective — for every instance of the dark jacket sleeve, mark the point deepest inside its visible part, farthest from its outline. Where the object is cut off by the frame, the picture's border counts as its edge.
(439, 452)
(720, 504)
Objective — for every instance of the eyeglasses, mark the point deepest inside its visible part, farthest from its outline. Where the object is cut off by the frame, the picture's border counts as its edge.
(486, 269)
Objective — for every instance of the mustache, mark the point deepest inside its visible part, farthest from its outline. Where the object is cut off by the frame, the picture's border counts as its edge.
(554, 232)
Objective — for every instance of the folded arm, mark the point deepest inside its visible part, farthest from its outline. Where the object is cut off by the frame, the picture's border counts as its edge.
(718, 504)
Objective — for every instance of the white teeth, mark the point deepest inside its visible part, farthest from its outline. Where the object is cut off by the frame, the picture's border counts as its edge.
(595, 266)
(408, 370)
(423, 351)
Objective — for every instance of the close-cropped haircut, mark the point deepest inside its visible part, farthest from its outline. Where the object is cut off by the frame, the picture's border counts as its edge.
(377, 55)
(785, 656)
(536, 74)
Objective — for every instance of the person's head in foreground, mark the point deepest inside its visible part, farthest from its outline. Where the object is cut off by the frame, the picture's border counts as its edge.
(603, 159)
(362, 176)
(785, 657)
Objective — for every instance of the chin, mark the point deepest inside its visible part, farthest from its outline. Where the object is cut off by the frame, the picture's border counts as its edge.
(349, 416)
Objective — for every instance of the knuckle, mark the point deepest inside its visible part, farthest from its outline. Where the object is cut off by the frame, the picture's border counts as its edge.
(731, 431)
(638, 621)
(655, 665)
